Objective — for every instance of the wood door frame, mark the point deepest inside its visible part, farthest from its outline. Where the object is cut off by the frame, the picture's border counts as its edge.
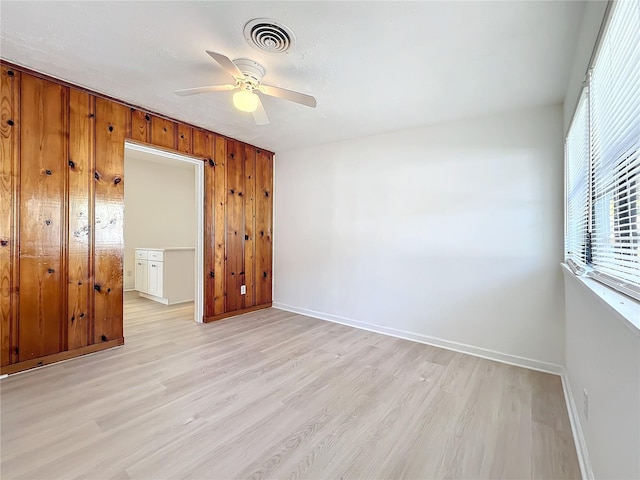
(198, 310)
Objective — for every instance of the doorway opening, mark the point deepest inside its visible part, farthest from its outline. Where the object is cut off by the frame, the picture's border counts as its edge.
(163, 229)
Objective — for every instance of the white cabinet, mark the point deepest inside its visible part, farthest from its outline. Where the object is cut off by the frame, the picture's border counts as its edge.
(155, 279)
(142, 276)
(166, 275)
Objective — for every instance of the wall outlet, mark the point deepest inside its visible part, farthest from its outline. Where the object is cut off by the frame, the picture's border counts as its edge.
(585, 403)
(129, 273)
(243, 290)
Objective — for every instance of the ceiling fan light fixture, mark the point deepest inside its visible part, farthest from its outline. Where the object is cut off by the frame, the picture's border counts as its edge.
(245, 101)
(248, 78)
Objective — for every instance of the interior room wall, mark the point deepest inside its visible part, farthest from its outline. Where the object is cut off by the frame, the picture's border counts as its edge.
(160, 208)
(602, 354)
(450, 234)
(603, 358)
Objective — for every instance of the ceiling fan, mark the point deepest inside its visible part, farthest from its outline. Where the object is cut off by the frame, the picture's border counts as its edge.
(248, 79)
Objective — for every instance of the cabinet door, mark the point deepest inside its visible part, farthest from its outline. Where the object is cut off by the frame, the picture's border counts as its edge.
(142, 276)
(155, 279)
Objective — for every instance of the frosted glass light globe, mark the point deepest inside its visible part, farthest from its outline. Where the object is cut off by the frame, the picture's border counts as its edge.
(245, 101)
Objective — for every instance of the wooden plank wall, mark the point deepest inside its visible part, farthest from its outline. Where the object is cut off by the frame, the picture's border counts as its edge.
(62, 208)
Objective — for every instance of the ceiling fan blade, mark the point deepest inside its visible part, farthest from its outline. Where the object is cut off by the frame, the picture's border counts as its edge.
(226, 63)
(290, 95)
(259, 114)
(198, 90)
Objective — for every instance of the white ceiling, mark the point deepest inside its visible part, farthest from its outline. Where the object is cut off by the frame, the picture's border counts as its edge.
(374, 67)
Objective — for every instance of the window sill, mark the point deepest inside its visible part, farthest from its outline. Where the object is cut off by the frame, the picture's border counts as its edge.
(626, 309)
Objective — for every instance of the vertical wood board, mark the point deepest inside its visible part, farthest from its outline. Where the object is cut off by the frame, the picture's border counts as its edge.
(9, 128)
(209, 245)
(219, 238)
(264, 214)
(110, 132)
(163, 132)
(80, 199)
(185, 142)
(235, 225)
(202, 144)
(42, 217)
(140, 126)
(249, 224)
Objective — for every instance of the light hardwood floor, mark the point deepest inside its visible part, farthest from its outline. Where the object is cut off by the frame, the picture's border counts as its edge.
(277, 395)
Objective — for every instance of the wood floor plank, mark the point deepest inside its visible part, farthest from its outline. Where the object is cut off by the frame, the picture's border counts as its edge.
(272, 394)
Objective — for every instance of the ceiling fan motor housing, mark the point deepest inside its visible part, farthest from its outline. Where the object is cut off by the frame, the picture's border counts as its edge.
(252, 70)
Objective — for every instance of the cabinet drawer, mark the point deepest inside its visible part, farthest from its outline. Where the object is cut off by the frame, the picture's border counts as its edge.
(156, 255)
(141, 254)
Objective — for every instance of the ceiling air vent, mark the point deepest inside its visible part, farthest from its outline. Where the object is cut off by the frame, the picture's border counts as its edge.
(268, 35)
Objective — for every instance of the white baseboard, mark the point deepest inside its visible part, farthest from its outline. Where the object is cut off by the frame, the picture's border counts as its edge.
(576, 430)
(162, 300)
(428, 340)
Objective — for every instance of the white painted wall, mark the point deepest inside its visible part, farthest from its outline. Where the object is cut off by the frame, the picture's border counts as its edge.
(160, 207)
(603, 357)
(452, 232)
(601, 353)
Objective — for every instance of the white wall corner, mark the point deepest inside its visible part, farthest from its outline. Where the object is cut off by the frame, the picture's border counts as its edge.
(576, 429)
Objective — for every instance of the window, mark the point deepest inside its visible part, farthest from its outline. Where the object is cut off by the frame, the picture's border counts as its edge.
(602, 155)
(577, 171)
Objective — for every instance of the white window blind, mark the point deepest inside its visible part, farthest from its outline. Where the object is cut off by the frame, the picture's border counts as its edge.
(614, 104)
(577, 186)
